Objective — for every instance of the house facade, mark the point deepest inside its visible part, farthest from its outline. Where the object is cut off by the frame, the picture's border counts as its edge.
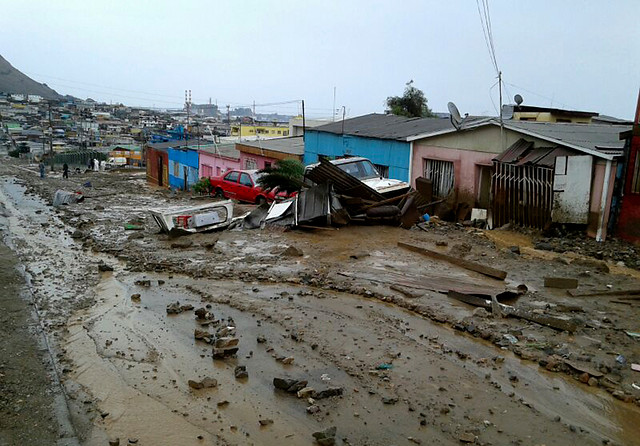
(628, 226)
(496, 167)
(183, 168)
(265, 153)
(157, 163)
(216, 159)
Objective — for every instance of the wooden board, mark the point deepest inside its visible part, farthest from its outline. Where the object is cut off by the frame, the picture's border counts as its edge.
(472, 266)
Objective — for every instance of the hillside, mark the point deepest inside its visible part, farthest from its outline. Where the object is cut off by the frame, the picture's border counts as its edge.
(14, 81)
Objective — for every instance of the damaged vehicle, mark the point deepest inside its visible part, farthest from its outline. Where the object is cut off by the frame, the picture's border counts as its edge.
(190, 219)
(364, 170)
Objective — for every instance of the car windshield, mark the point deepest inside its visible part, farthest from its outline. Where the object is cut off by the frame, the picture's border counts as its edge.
(361, 169)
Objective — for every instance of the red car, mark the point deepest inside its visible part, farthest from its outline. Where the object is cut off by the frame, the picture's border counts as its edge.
(241, 185)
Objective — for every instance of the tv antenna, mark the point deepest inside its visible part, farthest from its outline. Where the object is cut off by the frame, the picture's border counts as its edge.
(518, 99)
(454, 114)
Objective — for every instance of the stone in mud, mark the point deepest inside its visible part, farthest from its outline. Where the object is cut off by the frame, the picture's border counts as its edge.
(203, 314)
(593, 382)
(265, 422)
(146, 283)
(328, 393)
(389, 400)
(297, 386)
(467, 437)
(135, 297)
(261, 339)
(221, 353)
(77, 234)
(174, 308)
(292, 251)
(288, 360)
(240, 372)
(195, 384)
(114, 442)
(284, 383)
(207, 383)
(182, 244)
(225, 343)
(104, 267)
(186, 307)
(201, 335)
(326, 437)
(306, 392)
(225, 331)
(313, 409)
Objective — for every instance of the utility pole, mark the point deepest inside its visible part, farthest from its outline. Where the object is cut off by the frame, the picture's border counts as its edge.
(333, 111)
(50, 135)
(502, 141)
(187, 104)
(304, 122)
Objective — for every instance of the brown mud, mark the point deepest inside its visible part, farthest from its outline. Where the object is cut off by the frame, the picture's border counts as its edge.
(354, 311)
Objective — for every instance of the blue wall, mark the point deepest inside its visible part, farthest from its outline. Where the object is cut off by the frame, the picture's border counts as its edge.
(183, 158)
(395, 154)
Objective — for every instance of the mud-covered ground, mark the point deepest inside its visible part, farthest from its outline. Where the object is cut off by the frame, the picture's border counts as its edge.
(353, 312)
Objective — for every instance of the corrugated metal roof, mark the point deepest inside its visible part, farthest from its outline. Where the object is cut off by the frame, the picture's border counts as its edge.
(227, 150)
(293, 145)
(343, 183)
(523, 153)
(588, 136)
(382, 126)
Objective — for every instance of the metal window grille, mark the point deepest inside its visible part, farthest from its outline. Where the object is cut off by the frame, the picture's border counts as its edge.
(441, 174)
(635, 182)
(207, 171)
(250, 164)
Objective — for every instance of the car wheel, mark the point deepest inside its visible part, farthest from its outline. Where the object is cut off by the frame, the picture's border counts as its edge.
(260, 200)
(219, 193)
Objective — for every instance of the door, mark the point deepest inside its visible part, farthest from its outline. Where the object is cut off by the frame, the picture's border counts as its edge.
(185, 176)
(572, 189)
(160, 173)
(230, 184)
(484, 186)
(245, 188)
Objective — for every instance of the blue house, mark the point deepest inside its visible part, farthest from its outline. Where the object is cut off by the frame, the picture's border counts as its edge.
(183, 167)
(382, 138)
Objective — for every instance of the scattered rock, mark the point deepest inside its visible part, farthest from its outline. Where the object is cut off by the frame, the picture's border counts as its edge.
(442, 243)
(145, 283)
(208, 383)
(283, 383)
(223, 403)
(240, 372)
(182, 244)
(305, 392)
(265, 422)
(326, 437)
(104, 267)
(114, 442)
(221, 353)
(195, 384)
(292, 251)
(226, 342)
(135, 297)
(261, 339)
(515, 249)
(313, 409)
(389, 400)
(467, 437)
(328, 393)
(288, 360)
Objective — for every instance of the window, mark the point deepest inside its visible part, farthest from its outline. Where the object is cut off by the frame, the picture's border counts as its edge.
(635, 182)
(207, 171)
(267, 164)
(250, 164)
(176, 169)
(279, 132)
(441, 175)
(232, 177)
(245, 180)
(285, 132)
(382, 170)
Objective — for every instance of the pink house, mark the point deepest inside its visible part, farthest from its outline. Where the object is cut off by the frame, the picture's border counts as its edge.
(265, 152)
(529, 173)
(215, 159)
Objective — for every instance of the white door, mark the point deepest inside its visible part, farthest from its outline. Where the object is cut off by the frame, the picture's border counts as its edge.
(572, 189)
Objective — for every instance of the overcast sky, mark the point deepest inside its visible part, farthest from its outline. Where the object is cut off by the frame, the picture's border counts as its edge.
(575, 54)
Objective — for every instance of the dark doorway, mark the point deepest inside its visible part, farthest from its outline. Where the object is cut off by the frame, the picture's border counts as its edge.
(160, 179)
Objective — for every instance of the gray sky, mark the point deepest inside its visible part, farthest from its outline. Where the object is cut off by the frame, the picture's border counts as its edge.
(576, 54)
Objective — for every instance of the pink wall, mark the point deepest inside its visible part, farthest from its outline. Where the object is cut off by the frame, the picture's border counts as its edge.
(260, 160)
(218, 164)
(465, 164)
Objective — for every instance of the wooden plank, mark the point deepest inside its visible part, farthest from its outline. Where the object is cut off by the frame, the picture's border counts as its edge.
(472, 266)
(560, 282)
(631, 292)
(507, 310)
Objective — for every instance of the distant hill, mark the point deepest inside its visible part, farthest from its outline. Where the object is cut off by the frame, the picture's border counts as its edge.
(14, 81)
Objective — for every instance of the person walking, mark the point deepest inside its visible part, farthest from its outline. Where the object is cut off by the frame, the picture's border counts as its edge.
(65, 171)
(41, 167)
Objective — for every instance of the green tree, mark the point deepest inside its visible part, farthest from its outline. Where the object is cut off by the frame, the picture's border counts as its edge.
(412, 103)
(285, 174)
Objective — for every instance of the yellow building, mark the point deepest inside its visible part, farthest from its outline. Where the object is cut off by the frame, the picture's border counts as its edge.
(544, 114)
(265, 131)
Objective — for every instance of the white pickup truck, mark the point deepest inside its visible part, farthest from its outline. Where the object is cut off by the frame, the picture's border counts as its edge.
(364, 170)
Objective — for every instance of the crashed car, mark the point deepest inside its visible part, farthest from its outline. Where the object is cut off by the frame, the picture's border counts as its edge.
(242, 185)
(191, 219)
(364, 170)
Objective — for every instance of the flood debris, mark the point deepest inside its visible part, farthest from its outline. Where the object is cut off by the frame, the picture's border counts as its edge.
(326, 437)
(561, 282)
(62, 197)
(472, 266)
(177, 308)
(484, 301)
(190, 219)
(205, 383)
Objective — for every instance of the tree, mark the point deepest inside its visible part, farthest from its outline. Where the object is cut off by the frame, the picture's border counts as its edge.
(286, 175)
(412, 103)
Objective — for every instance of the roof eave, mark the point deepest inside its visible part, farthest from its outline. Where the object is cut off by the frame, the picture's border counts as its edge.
(473, 125)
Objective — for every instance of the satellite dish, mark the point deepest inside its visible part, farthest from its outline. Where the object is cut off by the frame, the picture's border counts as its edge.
(454, 114)
(518, 99)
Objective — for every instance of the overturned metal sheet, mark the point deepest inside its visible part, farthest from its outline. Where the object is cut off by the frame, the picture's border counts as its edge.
(342, 182)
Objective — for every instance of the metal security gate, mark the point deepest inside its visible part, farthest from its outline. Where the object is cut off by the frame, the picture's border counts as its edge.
(441, 174)
(522, 195)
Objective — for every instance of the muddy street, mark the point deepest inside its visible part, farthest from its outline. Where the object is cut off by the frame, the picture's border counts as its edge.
(334, 328)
